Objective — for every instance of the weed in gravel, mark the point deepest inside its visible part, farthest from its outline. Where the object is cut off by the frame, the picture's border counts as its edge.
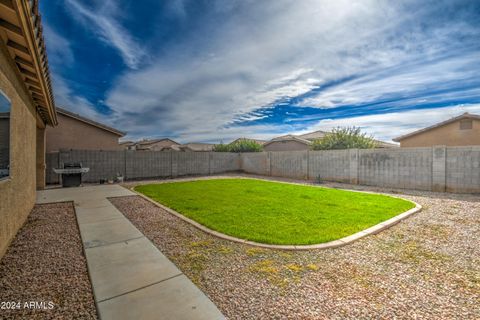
(202, 244)
(253, 252)
(274, 275)
(312, 267)
(411, 251)
(286, 255)
(440, 230)
(264, 267)
(225, 250)
(294, 267)
(195, 260)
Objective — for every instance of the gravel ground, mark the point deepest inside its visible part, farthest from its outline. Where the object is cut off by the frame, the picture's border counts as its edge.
(426, 267)
(45, 263)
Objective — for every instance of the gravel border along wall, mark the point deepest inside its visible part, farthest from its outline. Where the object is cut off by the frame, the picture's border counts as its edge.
(45, 263)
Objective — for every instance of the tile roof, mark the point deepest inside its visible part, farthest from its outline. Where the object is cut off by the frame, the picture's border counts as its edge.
(289, 137)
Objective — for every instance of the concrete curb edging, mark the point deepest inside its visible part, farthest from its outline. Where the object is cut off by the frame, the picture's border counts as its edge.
(327, 245)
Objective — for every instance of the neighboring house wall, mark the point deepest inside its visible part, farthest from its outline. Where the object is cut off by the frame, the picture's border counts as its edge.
(75, 134)
(17, 192)
(448, 135)
(288, 145)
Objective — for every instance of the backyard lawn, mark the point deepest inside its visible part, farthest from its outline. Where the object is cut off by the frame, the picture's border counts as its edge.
(274, 212)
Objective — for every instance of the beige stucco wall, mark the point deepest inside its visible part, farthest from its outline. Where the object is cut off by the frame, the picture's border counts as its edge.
(17, 193)
(41, 166)
(75, 134)
(286, 146)
(448, 135)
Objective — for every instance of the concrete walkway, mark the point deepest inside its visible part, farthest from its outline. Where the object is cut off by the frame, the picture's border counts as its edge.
(131, 278)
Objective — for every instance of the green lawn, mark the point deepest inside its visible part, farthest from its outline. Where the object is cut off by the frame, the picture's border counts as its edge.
(273, 212)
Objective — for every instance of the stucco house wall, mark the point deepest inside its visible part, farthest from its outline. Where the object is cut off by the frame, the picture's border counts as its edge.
(449, 135)
(17, 192)
(75, 134)
(286, 145)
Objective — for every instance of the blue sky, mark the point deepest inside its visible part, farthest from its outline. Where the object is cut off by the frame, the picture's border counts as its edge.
(217, 70)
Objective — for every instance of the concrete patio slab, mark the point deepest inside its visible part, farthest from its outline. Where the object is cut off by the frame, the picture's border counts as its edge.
(87, 215)
(131, 278)
(160, 301)
(81, 193)
(92, 203)
(127, 266)
(106, 232)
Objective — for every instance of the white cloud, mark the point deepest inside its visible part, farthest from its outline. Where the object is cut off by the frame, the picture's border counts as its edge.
(390, 125)
(66, 98)
(434, 80)
(277, 50)
(59, 48)
(60, 54)
(290, 48)
(103, 23)
(264, 52)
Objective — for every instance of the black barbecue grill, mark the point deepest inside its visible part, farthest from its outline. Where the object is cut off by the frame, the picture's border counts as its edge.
(71, 174)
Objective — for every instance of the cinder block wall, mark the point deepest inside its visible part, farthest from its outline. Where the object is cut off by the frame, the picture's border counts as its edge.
(406, 168)
(462, 169)
(440, 168)
(451, 169)
(17, 193)
(142, 164)
(331, 165)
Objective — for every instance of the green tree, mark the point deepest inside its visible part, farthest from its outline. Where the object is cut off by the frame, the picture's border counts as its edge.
(221, 147)
(344, 138)
(240, 145)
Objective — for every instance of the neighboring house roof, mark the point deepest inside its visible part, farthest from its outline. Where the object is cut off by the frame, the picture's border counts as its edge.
(313, 135)
(308, 138)
(261, 142)
(466, 115)
(90, 121)
(21, 31)
(383, 144)
(126, 143)
(288, 137)
(197, 146)
(173, 147)
(145, 144)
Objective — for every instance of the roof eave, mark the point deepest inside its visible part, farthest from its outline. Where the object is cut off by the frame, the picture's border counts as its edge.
(30, 23)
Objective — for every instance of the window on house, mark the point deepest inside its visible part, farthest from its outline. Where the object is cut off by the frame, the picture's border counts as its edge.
(4, 136)
(466, 124)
